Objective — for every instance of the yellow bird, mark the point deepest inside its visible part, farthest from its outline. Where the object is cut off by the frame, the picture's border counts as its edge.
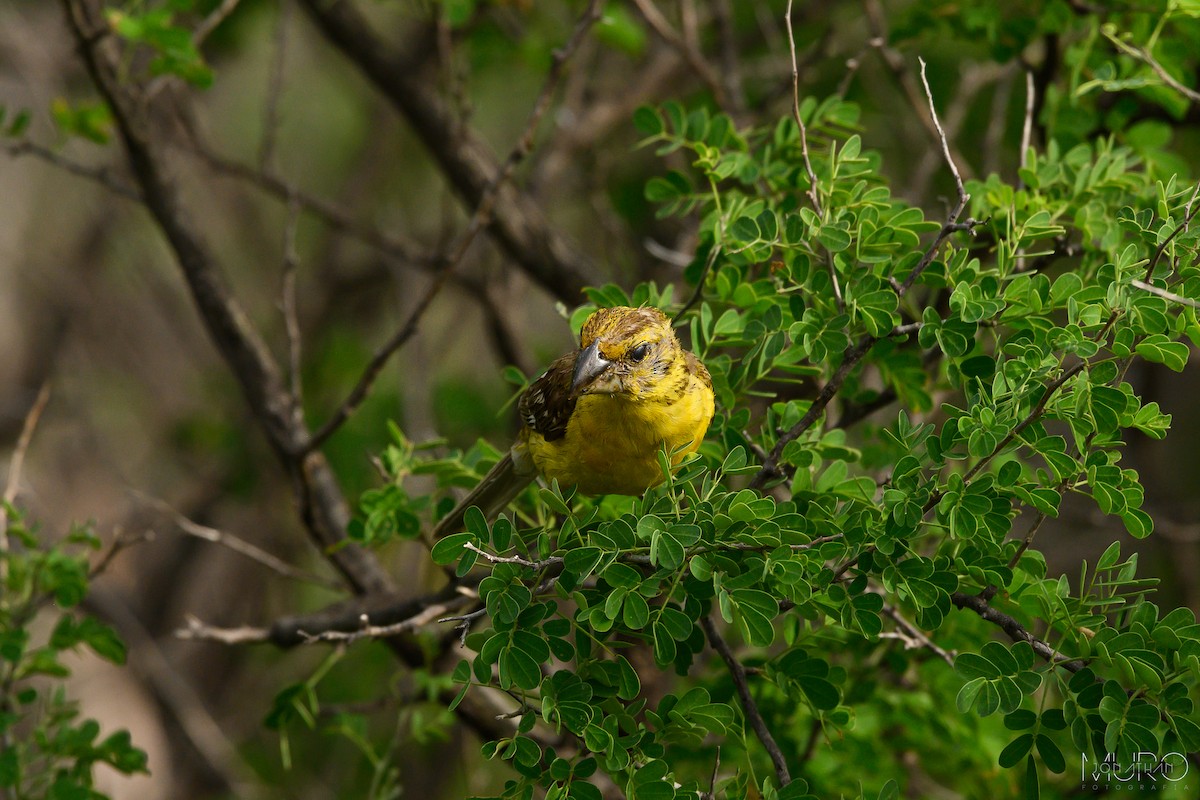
(598, 417)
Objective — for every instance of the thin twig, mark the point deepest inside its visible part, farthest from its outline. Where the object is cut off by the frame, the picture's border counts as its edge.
(708, 265)
(1163, 293)
(711, 794)
(730, 67)
(1143, 55)
(524, 562)
(266, 151)
(464, 623)
(1034, 414)
(236, 544)
(196, 629)
(808, 168)
(287, 302)
(937, 124)
(1027, 127)
(738, 673)
(1189, 212)
(210, 23)
(913, 637)
(389, 244)
(686, 48)
(855, 353)
(177, 694)
(100, 175)
(15, 466)
(479, 220)
(120, 542)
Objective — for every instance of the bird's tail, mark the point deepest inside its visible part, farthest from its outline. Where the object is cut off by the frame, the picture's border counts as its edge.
(496, 490)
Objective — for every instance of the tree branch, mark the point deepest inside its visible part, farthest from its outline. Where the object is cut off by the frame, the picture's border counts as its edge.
(323, 507)
(738, 673)
(485, 211)
(1015, 630)
(518, 224)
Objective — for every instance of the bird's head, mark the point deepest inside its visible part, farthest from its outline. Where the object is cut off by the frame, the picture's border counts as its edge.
(624, 351)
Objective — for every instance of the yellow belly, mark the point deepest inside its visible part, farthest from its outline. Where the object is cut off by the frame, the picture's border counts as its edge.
(612, 442)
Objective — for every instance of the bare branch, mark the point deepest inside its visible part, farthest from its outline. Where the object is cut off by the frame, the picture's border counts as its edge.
(730, 67)
(287, 302)
(1163, 293)
(479, 220)
(518, 224)
(937, 124)
(16, 465)
(322, 504)
(176, 694)
(400, 248)
(266, 151)
(430, 614)
(808, 168)
(912, 636)
(100, 175)
(738, 673)
(243, 635)
(524, 562)
(685, 45)
(1027, 127)
(120, 542)
(210, 23)
(236, 544)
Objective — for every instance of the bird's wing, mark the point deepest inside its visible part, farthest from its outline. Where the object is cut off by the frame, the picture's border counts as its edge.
(545, 408)
(547, 404)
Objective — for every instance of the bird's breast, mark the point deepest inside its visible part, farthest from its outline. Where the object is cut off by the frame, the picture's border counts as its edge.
(612, 442)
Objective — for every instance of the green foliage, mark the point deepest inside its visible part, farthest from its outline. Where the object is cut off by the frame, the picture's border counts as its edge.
(876, 571)
(48, 751)
(1022, 316)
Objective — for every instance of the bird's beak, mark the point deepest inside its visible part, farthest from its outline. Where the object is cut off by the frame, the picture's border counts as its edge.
(589, 365)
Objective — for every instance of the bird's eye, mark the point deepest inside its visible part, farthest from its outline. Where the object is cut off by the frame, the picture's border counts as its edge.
(638, 353)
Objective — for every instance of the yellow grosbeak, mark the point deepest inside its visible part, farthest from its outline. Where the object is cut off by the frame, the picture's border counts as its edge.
(599, 415)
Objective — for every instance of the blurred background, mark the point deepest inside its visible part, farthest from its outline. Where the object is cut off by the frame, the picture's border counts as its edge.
(145, 421)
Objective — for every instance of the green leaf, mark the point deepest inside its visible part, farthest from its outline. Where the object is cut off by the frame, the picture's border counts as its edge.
(518, 668)
(648, 121)
(1051, 755)
(820, 692)
(450, 548)
(834, 238)
(1161, 350)
(102, 639)
(1016, 750)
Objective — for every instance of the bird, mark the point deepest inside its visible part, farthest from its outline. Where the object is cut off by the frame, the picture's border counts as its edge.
(598, 417)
